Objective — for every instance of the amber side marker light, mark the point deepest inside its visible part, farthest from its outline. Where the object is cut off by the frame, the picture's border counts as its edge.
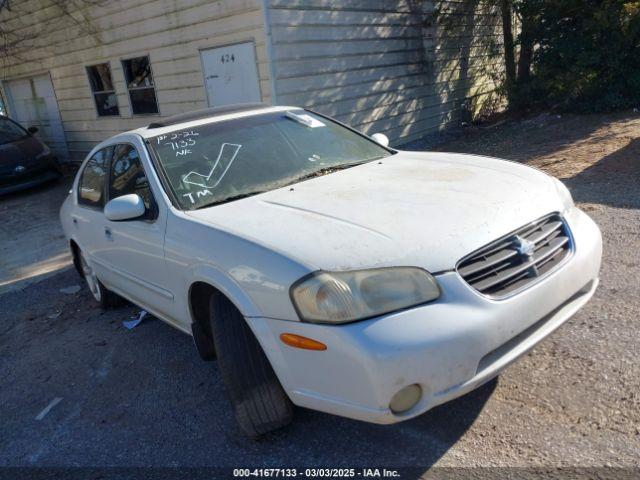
(299, 341)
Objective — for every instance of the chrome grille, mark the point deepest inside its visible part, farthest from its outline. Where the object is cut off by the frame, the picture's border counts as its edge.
(518, 259)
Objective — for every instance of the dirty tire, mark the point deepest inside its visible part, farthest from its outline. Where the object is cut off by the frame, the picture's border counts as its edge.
(259, 401)
(105, 297)
(109, 299)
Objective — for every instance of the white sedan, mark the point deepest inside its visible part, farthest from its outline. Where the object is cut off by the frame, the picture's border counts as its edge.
(323, 268)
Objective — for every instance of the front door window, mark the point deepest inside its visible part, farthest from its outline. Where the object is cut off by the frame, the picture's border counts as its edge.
(128, 175)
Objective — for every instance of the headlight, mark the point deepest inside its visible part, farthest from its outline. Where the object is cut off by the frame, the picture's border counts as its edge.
(339, 297)
(564, 194)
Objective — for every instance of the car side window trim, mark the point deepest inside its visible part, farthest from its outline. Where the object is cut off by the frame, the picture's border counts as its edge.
(162, 177)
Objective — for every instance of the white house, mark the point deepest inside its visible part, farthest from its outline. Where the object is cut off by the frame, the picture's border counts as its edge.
(90, 69)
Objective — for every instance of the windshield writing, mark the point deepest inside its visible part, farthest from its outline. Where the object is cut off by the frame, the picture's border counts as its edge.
(222, 161)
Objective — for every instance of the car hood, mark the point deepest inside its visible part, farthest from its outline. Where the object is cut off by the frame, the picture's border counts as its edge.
(421, 209)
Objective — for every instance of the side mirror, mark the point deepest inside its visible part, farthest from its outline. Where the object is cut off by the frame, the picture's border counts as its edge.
(126, 207)
(381, 138)
(32, 130)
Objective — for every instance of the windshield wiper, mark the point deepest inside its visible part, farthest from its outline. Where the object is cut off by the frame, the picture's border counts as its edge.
(316, 173)
(230, 199)
(327, 170)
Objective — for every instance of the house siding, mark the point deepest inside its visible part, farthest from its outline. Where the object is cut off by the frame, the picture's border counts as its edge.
(171, 32)
(401, 67)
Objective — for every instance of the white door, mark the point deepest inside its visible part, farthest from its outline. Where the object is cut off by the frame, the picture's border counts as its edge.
(231, 74)
(134, 250)
(32, 103)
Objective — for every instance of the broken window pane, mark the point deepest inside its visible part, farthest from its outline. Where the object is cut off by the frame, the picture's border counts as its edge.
(106, 104)
(137, 72)
(103, 90)
(142, 93)
(100, 78)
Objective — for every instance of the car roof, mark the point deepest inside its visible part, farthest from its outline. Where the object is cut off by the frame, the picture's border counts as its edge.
(208, 115)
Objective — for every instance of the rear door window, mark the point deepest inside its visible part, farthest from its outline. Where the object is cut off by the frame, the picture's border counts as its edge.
(91, 189)
(128, 175)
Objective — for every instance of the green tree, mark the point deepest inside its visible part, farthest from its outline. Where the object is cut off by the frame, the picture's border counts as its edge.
(581, 55)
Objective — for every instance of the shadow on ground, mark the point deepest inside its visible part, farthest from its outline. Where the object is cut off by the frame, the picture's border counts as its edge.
(32, 243)
(609, 181)
(596, 156)
(144, 398)
(538, 136)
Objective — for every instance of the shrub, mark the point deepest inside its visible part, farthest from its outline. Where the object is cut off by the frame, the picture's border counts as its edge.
(586, 57)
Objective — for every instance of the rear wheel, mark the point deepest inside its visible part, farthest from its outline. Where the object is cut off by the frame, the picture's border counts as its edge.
(259, 401)
(106, 298)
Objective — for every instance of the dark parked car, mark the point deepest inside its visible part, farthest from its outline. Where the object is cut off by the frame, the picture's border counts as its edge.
(24, 160)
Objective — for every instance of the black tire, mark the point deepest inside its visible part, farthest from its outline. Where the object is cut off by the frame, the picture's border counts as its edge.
(109, 299)
(101, 294)
(57, 167)
(259, 401)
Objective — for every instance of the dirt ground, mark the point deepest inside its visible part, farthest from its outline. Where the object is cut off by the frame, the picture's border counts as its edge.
(143, 398)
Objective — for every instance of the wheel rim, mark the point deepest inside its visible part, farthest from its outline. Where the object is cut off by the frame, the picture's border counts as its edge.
(91, 278)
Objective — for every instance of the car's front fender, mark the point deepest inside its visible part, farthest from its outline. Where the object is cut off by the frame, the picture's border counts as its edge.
(255, 278)
(222, 282)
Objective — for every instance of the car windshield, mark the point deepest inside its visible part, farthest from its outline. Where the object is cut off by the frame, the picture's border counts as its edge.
(10, 131)
(223, 161)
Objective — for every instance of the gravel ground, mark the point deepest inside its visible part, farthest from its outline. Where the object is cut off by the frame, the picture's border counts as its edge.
(143, 397)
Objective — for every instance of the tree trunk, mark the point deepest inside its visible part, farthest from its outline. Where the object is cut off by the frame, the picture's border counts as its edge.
(526, 50)
(507, 33)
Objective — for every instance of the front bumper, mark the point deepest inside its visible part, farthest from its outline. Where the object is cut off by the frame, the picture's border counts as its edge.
(448, 347)
(45, 171)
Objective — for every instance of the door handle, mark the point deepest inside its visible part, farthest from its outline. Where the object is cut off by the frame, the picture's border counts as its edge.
(107, 232)
(75, 221)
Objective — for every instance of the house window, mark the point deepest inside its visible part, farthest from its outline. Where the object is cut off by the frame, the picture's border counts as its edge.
(104, 93)
(142, 92)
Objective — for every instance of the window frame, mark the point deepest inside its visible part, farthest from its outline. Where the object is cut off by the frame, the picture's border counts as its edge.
(95, 92)
(79, 201)
(129, 90)
(150, 214)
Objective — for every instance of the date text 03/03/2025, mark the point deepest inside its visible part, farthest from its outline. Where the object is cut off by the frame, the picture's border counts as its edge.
(316, 473)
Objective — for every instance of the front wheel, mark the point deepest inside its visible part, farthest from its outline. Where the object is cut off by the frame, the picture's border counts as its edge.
(260, 403)
(106, 298)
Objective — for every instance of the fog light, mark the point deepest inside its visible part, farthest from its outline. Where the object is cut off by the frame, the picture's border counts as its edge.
(405, 398)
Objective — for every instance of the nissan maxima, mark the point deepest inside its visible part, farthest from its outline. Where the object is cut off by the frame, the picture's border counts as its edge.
(323, 268)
